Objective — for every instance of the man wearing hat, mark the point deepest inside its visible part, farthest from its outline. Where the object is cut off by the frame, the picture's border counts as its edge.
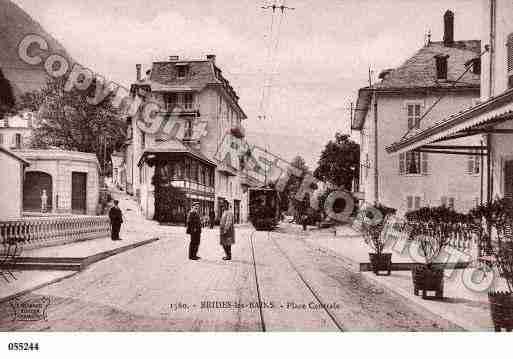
(194, 230)
(116, 218)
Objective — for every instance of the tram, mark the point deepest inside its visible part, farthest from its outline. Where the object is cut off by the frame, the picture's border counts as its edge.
(264, 208)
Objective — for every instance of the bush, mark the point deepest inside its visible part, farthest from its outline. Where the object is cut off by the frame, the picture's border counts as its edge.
(433, 227)
(373, 226)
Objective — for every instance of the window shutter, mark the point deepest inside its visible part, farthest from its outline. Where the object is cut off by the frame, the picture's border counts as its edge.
(509, 46)
(410, 115)
(417, 116)
(409, 202)
(470, 168)
(1, 138)
(425, 166)
(410, 123)
(402, 164)
(417, 202)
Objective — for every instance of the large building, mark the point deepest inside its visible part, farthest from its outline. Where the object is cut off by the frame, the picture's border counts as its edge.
(201, 154)
(492, 117)
(442, 78)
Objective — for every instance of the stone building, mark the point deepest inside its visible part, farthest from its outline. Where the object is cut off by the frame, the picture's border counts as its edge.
(201, 152)
(68, 179)
(443, 77)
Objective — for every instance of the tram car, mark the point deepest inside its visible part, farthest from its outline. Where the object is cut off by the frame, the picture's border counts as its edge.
(264, 208)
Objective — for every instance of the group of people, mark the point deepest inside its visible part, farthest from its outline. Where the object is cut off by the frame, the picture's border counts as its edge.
(226, 231)
(194, 226)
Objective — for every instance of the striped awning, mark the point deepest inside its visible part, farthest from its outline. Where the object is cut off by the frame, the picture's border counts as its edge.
(496, 109)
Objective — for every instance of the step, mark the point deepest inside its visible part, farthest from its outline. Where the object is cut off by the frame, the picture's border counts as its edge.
(67, 263)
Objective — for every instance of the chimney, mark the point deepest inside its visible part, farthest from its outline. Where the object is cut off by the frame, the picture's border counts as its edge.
(138, 68)
(448, 28)
(212, 58)
(173, 58)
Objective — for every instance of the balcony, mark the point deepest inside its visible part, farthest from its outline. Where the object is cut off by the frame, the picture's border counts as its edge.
(181, 109)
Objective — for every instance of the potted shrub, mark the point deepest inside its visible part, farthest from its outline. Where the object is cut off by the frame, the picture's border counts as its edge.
(372, 228)
(432, 228)
(499, 214)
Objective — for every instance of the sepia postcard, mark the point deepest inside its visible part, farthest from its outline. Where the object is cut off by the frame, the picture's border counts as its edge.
(255, 166)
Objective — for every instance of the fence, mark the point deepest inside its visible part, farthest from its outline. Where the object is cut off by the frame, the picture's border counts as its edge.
(41, 232)
(462, 237)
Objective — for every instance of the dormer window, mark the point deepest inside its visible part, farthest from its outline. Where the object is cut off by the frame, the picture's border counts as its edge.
(182, 70)
(441, 67)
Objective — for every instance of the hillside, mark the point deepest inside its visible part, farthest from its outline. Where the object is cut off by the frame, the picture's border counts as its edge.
(15, 24)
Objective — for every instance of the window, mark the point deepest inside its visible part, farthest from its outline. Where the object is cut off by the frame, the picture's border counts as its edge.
(413, 163)
(188, 100)
(413, 202)
(413, 114)
(182, 71)
(474, 164)
(171, 101)
(1, 138)
(188, 129)
(195, 171)
(441, 67)
(18, 140)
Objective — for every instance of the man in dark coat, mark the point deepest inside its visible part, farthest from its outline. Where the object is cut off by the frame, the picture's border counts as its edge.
(194, 229)
(212, 218)
(116, 218)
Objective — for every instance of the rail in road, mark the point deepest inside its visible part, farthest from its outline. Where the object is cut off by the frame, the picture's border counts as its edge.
(307, 285)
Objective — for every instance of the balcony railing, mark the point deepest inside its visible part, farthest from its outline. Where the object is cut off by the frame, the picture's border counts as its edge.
(42, 232)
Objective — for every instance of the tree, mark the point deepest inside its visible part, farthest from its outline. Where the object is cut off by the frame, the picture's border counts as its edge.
(288, 196)
(69, 122)
(6, 95)
(339, 162)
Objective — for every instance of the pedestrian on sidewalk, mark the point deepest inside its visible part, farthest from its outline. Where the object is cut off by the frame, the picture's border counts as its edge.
(304, 221)
(212, 218)
(227, 232)
(194, 230)
(116, 218)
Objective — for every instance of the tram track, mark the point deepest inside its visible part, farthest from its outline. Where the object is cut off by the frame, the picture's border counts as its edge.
(259, 296)
(302, 278)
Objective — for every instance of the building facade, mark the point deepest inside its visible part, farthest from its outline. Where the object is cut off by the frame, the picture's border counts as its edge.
(12, 167)
(197, 147)
(491, 119)
(440, 79)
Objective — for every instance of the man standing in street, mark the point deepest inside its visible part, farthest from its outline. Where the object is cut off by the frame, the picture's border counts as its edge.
(116, 218)
(227, 232)
(212, 218)
(194, 230)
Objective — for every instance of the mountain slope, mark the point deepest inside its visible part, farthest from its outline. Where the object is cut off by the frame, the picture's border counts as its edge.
(15, 24)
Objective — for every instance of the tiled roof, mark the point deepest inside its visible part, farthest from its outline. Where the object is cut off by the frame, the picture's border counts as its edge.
(420, 69)
(175, 146)
(201, 73)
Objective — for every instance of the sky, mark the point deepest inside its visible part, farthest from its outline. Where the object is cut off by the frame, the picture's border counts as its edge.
(312, 59)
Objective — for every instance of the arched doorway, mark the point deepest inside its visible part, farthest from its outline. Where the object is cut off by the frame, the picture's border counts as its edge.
(33, 186)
